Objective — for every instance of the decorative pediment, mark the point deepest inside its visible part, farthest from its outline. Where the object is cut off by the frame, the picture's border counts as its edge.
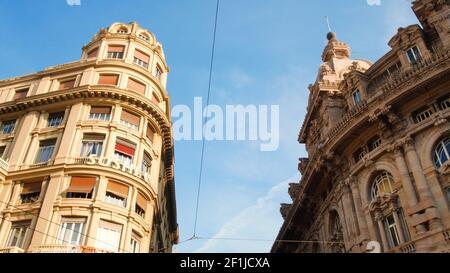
(406, 37)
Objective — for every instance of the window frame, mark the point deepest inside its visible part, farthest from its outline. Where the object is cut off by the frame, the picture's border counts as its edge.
(356, 96)
(417, 55)
(59, 116)
(20, 242)
(10, 125)
(380, 179)
(62, 234)
(41, 148)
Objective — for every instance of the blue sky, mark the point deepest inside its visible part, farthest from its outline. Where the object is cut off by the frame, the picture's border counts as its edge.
(267, 52)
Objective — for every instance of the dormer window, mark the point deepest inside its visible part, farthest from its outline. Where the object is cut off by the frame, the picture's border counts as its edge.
(122, 30)
(158, 72)
(144, 37)
(414, 55)
(356, 95)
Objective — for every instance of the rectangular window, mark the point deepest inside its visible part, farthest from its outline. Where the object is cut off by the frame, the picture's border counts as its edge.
(140, 58)
(444, 104)
(108, 236)
(93, 53)
(55, 119)
(81, 187)
(92, 145)
(136, 86)
(108, 79)
(2, 151)
(18, 234)
(414, 55)
(150, 133)
(141, 205)
(7, 127)
(154, 98)
(146, 164)
(158, 72)
(100, 113)
(391, 231)
(374, 143)
(115, 52)
(135, 243)
(124, 152)
(356, 97)
(404, 225)
(45, 152)
(67, 84)
(359, 154)
(30, 192)
(422, 115)
(71, 232)
(21, 93)
(116, 194)
(130, 120)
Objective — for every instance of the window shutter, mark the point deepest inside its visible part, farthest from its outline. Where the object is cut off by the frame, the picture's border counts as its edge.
(20, 94)
(125, 149)
(130, 118)
(66, 84)
(108, 79)
(31, 187)
(150, 133)
(100, 110)
(141, 56)
(154, 98)
(136, 86)
(141, 201)
(82, 184)
(117, 188)
(116, 48)
(93, 53)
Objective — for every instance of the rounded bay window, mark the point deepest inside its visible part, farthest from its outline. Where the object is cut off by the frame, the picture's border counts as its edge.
(441, 152)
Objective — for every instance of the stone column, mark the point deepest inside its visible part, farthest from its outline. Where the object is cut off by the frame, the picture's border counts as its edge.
(69, 133)
(416, 168)
(421, 182)
(21, 140)
(348, 202)
(407, 184)
(379, 219)
(363, 230)
(46, 212)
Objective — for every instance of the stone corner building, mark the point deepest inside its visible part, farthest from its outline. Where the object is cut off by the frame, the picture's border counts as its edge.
(86, 151)
(378, 140)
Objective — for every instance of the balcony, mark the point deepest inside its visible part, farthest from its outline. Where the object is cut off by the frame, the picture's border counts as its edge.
(13, 249)
(4, 165)
(67, 249)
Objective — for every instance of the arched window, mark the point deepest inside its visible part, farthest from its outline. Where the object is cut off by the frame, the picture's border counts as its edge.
(382, 185)
(144, 36)
(442, 152)
(337, 236)
(122, 30)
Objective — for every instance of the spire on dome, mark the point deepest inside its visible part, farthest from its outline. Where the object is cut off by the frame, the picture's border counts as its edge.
(335, 48)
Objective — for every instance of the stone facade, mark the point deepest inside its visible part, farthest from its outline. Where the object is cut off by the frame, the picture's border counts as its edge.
(87, 151)
(378, 141)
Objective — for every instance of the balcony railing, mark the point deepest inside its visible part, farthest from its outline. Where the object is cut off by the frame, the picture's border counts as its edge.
(3, 164)
(408, 248)
(13, 249)
(67, 249)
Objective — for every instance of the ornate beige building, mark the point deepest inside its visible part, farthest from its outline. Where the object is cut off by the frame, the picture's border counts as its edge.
(87, 151)
(378, 140)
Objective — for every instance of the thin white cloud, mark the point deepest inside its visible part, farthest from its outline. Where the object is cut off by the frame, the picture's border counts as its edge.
(261, 220)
